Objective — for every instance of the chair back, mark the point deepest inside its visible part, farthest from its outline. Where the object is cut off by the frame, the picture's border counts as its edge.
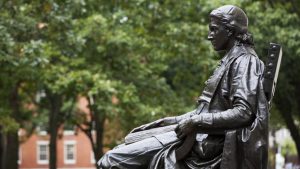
(272, 70)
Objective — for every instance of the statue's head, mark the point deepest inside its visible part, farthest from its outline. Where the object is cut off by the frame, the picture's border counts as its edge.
(228, 24)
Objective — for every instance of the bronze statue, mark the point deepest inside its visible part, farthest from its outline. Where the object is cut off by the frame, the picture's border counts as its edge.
(231, 121)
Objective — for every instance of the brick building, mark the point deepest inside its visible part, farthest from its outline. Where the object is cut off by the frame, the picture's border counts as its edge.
(73, 151)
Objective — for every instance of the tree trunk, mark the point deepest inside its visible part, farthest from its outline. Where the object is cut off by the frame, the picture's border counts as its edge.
(99, 125)
(1, 148)
(54, 123)
(295, 133)
(12, 149)
(96, 139)
(52, 148)
(285, 106)
(99, 119)
(11, 154)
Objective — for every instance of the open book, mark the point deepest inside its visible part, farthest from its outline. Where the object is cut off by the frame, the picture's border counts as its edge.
(141, 135)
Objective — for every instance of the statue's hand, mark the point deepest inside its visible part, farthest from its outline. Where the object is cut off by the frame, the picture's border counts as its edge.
(185, 127)
(158, 123)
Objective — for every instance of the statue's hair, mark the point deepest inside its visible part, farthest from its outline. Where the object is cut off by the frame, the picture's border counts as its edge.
(246, 38)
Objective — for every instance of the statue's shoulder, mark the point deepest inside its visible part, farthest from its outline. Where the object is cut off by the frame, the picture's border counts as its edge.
(243, 49)
(247, 59)
(245, 52)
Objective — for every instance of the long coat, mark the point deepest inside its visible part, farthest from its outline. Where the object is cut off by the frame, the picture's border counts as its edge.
(236, 105)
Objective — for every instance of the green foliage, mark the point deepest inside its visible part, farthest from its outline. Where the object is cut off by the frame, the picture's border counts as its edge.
(289, 148)
(10, 124)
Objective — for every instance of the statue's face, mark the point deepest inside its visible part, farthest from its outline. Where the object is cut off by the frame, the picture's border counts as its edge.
(218, 34)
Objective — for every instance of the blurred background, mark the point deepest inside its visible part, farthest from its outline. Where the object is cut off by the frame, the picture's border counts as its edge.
(77, 75)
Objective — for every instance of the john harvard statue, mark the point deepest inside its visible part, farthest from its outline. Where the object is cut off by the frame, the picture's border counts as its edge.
(230, 122)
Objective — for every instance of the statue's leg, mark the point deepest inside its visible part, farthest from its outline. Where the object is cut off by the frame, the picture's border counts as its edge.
(132, 156)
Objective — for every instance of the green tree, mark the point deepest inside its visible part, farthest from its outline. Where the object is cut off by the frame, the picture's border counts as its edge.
(18, 55)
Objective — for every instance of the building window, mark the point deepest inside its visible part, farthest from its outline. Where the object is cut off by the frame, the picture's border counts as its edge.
(42, 152)
(70, 152)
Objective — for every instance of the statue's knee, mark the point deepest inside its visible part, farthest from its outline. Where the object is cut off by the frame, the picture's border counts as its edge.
(104, 162)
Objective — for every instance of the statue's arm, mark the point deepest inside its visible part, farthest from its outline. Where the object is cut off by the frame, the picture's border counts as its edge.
(244, 80)
(239, 116)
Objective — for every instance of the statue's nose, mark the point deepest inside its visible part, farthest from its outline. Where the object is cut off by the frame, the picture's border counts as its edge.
(209, 37)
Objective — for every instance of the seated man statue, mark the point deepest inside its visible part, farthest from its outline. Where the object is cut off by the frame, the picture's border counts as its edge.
(231, 121)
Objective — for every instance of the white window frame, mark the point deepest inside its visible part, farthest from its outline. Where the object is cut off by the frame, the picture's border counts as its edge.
(69, 132)
(20, 156)
(93, 161)
(41, 132)
(41, 143)
(66, 143)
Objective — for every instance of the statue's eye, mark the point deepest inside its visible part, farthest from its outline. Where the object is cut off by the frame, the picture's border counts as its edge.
(212, 28)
